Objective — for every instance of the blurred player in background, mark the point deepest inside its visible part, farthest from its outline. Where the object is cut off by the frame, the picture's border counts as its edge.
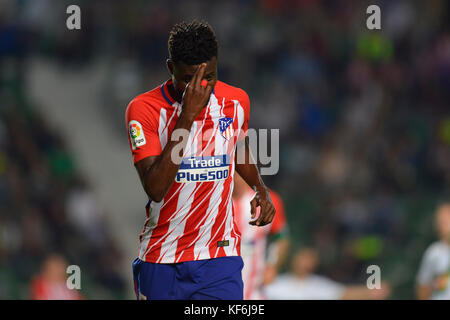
(303, 284)
(258, 268)
(433, 278)
(190, 246)
(51, 282)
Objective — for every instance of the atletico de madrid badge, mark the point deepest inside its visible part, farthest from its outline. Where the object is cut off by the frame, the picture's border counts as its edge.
(226, 127)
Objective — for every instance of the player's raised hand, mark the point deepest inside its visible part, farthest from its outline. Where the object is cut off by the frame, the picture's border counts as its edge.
(196, 94)
(262, 200)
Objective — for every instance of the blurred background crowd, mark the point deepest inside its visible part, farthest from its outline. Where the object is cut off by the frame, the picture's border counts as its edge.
(364, 119)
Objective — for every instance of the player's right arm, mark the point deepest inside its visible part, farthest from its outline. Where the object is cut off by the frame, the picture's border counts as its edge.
(157, 173)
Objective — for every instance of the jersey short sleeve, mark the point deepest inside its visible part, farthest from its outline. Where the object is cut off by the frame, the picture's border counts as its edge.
(142, 125)
(244, 101)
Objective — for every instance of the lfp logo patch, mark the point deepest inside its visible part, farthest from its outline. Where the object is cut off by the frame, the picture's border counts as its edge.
(137, 137)
(135, 130)
(226, 127)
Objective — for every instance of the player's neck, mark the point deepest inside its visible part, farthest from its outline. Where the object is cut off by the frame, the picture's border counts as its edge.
(173, 93)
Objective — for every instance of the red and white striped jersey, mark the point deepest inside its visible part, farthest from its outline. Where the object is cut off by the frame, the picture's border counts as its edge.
(195, 219)
(254, 241)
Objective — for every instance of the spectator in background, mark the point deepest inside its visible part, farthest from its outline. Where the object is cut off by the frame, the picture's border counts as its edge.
(50, 283)
(433, 279)
(303, 284)
(85, 213)
(258, 268)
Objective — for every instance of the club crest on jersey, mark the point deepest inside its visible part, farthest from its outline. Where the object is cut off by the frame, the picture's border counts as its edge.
(226, 127)
(136, 132)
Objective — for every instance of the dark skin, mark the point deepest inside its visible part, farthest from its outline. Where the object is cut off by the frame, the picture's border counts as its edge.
(157, 173)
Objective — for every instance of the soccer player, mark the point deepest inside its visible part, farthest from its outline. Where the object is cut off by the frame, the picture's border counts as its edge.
(184, 137)
(433, 278)
(259, 269)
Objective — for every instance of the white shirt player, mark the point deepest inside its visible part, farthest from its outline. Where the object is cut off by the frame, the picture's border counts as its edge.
(312, 287)
(434, 270)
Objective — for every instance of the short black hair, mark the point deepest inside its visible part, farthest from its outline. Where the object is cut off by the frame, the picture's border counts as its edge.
(192, 43)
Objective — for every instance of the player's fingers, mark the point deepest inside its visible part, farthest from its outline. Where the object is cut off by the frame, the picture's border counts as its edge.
(270, 216)
(269, 213)
(265, 214)
(254, 220)
(209, 89)
(259, 220)
(194, 77)
(188, 87)
(253, 205)
(198, 76)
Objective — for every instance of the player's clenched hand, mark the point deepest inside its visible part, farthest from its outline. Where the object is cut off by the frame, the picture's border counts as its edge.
(196, 95)
(267, 210)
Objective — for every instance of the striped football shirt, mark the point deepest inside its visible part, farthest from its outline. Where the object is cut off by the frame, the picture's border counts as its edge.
(194, 220)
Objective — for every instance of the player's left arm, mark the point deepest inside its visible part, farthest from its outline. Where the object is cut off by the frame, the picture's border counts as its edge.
(246, 167)
(249, 172)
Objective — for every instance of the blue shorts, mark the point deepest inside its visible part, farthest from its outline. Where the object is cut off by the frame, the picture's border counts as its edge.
(211, 279)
